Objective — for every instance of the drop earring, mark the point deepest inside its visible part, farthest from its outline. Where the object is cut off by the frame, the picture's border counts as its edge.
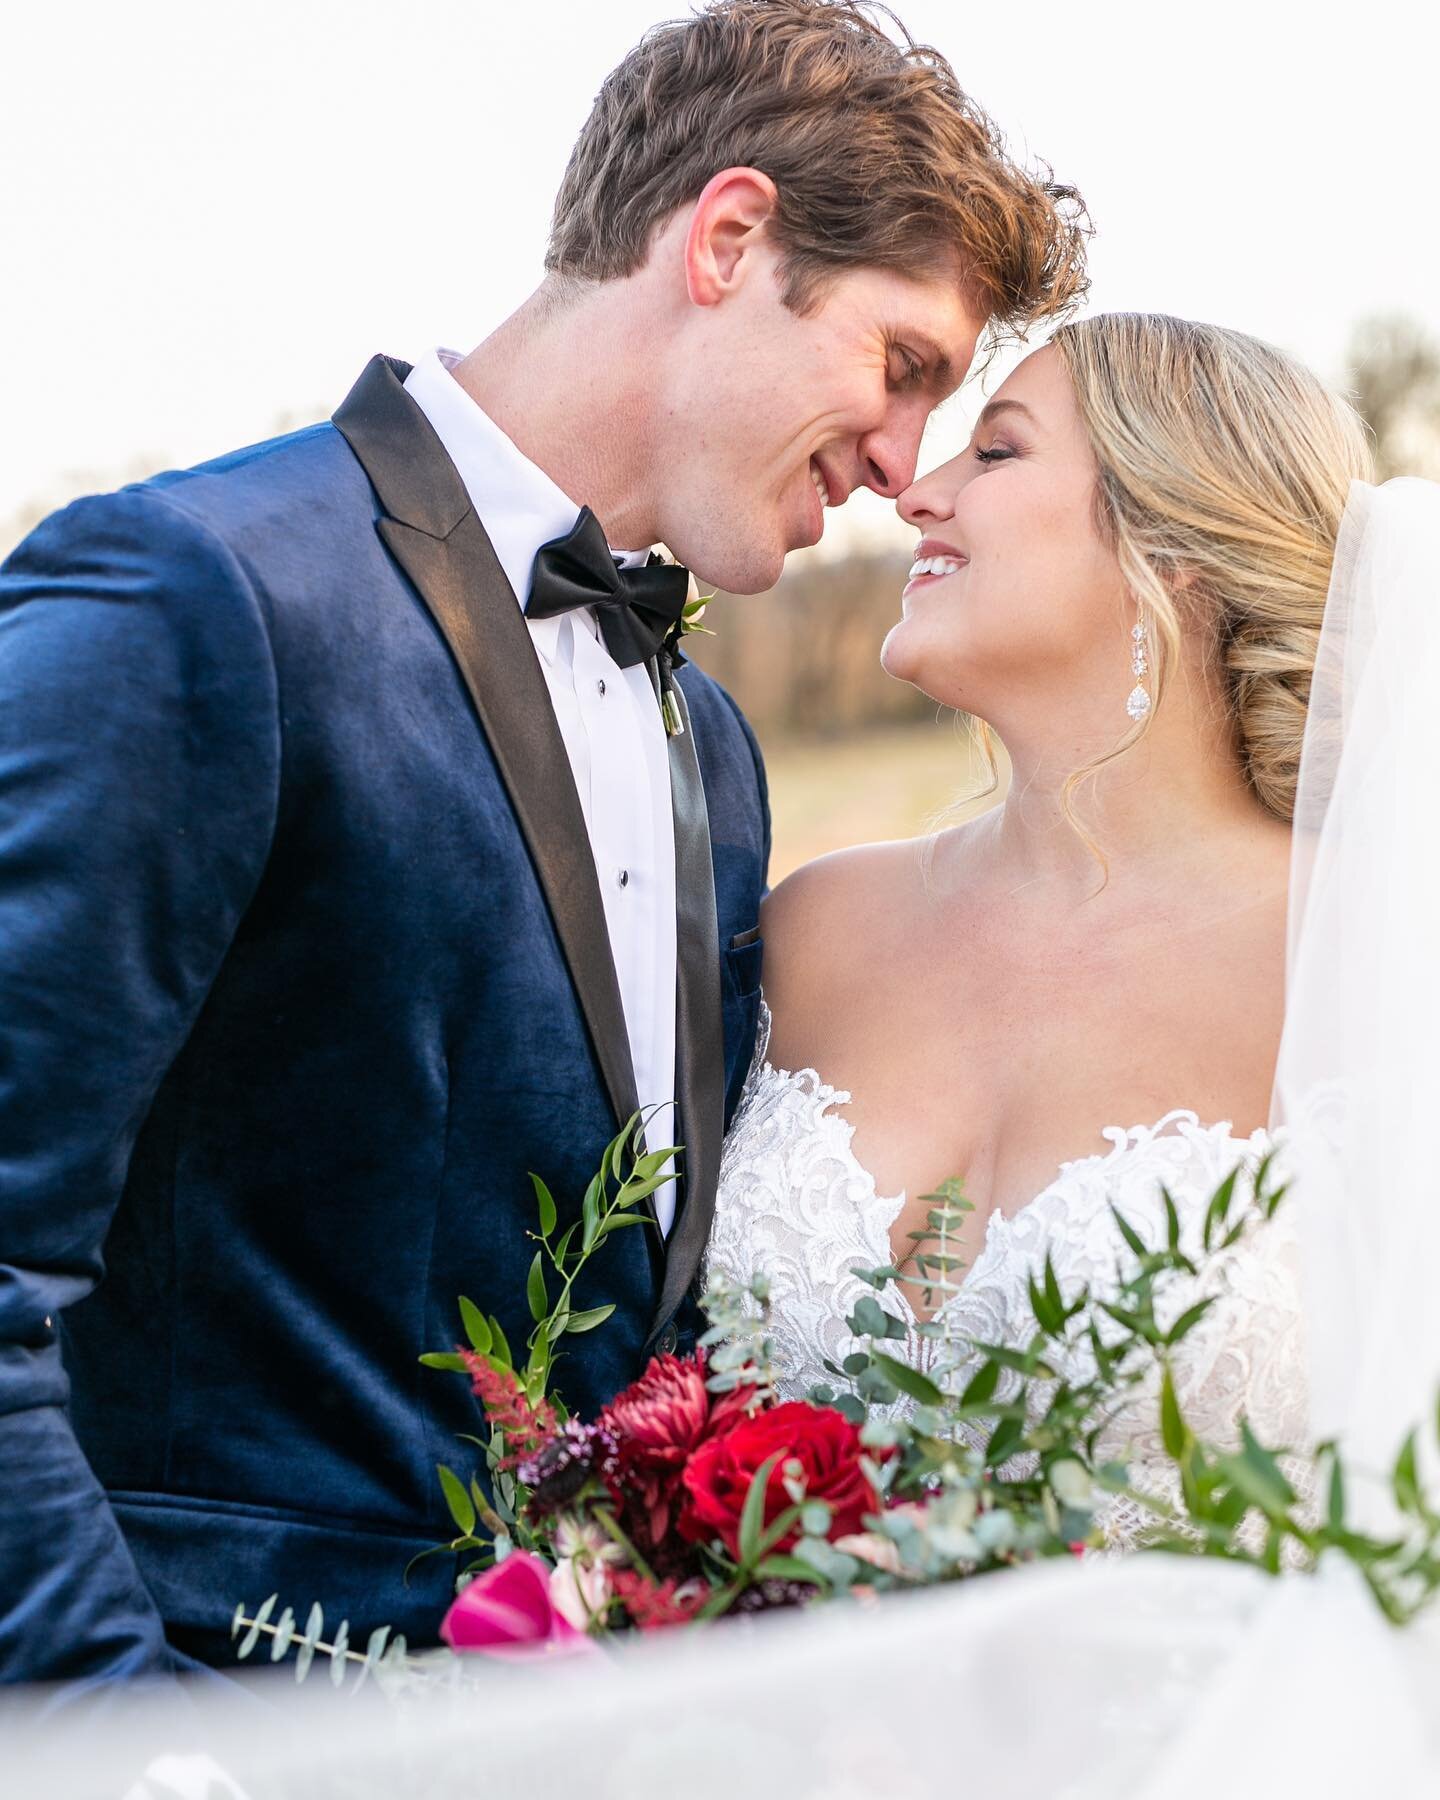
(1138, 704)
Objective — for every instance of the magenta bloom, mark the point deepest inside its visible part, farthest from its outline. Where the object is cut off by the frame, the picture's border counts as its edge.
(508, 1611)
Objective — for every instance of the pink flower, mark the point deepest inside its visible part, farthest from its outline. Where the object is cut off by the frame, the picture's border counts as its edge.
(508, 1611)
(579, 1591)
(870, 1547)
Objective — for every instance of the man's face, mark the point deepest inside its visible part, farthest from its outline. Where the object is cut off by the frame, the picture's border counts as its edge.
(773, 411)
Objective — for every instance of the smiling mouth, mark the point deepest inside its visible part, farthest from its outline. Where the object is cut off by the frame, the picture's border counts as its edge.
(934, 568)
(822, 486)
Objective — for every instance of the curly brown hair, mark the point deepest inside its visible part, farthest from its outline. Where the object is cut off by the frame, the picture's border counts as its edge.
(878, 155)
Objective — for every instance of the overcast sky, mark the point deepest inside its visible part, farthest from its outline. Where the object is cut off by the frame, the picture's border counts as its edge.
(211, 215)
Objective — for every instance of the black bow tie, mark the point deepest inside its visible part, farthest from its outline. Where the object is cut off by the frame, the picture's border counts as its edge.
(637, 609)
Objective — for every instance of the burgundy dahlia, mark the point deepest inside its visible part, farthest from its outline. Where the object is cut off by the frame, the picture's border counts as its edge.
(657, 1423)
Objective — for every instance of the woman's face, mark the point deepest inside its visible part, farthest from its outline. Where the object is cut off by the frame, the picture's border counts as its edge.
(1015, 596)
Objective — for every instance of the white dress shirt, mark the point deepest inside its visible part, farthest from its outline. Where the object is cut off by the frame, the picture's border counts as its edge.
(610, 722)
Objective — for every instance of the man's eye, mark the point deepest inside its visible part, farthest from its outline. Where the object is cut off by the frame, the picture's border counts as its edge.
(909, 372)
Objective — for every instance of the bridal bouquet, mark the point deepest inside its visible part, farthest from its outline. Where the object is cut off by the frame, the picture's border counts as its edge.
(698, 1493)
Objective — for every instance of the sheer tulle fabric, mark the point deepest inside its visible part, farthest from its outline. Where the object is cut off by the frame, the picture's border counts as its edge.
(1133, 1676)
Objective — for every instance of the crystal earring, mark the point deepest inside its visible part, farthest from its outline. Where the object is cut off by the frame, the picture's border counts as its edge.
(1138, 704)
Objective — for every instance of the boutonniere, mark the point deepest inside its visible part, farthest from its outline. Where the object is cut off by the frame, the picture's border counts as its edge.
(672, 658)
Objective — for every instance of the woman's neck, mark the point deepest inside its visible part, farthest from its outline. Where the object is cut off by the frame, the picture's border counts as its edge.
(1177, 801)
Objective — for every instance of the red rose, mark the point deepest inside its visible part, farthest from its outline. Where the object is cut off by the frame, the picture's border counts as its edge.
(824, 1443)
(657, 1423)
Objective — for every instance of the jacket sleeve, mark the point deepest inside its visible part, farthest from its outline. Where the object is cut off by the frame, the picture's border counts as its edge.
(139, 769)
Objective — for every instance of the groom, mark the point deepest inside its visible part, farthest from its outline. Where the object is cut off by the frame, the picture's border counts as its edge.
(356, 857)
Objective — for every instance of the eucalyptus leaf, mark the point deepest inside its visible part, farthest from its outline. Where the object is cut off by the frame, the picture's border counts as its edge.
(1189, 1319)
(1404, 1480)
(590, 1216)
(1131, 1236)
(788, 1568)
(545, 1201)
(284, 1635)
(462, 1507)
(588, 1319)
(1172, 1219)
(500, 1348)
(535, 1288)
(314, 1626)
(477, 1327)
(752, 1513)
(1173, 1430)
(876, 1386)
(257, 1625)
(910, 1381)
(869, 1319)
(981, 1385)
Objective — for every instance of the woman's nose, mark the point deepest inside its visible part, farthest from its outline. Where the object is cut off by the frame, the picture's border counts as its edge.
(931, 497)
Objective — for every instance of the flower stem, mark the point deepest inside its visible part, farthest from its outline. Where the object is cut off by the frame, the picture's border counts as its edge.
(613, 1528)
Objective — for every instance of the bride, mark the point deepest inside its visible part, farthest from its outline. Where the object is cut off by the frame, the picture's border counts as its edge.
(1078, 996)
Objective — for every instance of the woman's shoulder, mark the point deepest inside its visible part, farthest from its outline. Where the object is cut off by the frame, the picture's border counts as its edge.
(865, 885)
(843, 891)
(836, 933)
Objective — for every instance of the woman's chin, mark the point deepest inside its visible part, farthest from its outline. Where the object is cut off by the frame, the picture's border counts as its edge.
(903, 656)
(895, 657)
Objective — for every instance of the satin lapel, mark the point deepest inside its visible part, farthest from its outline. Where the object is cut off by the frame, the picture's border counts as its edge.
(699, 1028)
(436, 538)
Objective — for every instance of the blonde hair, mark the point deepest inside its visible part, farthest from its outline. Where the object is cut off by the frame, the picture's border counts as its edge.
(1224, 469)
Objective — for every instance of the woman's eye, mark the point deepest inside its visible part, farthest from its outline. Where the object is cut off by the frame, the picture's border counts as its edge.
(996, 453)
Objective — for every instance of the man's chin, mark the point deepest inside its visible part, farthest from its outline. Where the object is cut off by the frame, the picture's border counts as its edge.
(750, 572)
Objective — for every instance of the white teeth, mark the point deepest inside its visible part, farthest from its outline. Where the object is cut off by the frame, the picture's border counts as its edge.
(820, 488)
(936, 565)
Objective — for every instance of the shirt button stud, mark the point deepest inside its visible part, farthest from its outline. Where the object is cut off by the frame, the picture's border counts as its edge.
(600, 685)
(624, 878)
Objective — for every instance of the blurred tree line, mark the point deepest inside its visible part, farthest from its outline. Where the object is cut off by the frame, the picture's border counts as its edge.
(804, 659)
(1393, 370)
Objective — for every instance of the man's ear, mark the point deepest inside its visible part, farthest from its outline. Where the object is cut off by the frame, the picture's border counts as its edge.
(726, 227)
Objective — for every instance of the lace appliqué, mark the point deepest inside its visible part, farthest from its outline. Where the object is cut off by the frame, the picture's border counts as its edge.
(795, 1204)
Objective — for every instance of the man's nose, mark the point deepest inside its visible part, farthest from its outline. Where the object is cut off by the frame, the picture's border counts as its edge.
(889, 455)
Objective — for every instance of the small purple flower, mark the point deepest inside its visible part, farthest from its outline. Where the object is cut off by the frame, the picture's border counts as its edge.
(561, 1468)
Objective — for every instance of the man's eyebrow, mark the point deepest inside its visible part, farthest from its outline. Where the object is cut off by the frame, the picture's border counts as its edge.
(995, 407)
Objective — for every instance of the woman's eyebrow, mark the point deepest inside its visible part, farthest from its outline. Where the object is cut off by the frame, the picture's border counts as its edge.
(989, 412)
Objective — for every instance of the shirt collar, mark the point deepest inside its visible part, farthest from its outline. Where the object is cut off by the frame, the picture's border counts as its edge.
(519, 505)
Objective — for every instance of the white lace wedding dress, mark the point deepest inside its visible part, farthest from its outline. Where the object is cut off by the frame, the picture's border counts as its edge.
(796, 1205)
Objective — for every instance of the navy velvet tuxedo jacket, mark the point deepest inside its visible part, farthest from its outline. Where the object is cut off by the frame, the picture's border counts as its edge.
(303, 968)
